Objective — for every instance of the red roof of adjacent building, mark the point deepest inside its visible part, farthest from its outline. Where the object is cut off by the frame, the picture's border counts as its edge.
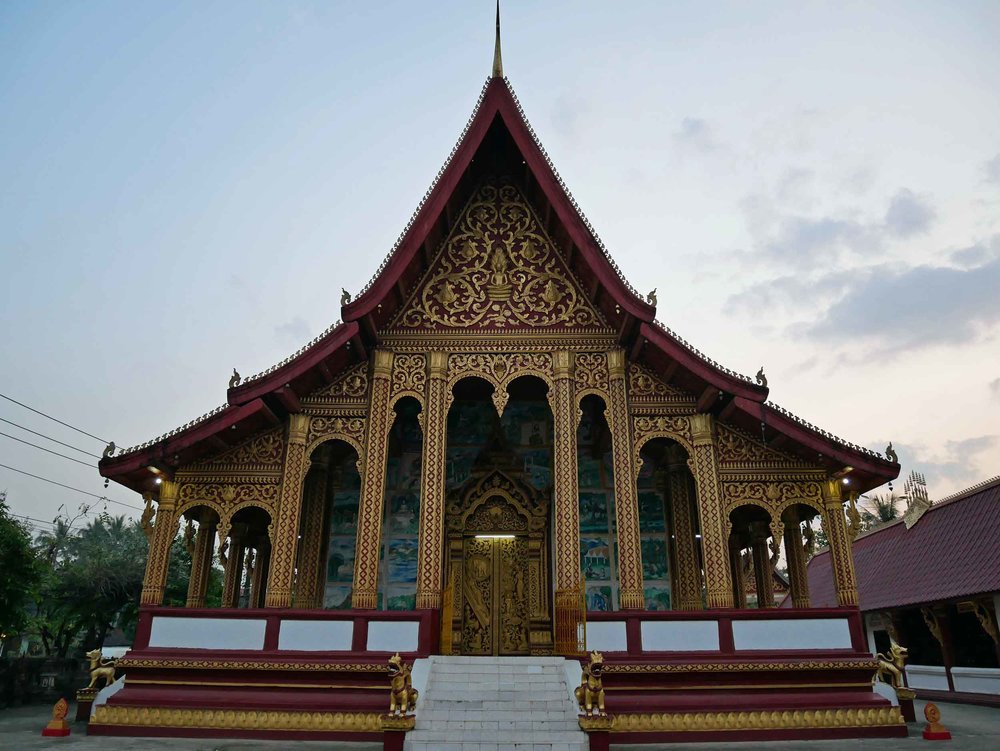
(953, 551)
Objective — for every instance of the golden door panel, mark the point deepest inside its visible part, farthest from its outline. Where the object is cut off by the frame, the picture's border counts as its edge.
(496, 618)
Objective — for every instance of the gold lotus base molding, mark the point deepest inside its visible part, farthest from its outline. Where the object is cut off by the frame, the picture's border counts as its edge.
(791, 719)
(238, 719)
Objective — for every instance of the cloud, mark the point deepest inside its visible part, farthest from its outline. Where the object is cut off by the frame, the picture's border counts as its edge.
(954, 462)
(915, 307)
(696, 133)
(295, 331)
(908, 214)
(995, 388)
(978, 254)
(992, 170)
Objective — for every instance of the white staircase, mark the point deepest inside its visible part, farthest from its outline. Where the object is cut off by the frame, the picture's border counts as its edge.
(496, 704)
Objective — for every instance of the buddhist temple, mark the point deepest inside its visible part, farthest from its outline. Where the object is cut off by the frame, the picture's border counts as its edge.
(498, 451)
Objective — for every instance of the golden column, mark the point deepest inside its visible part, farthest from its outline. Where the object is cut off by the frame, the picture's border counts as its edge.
(311, 567)
(432, 483)
(688, 575)
(626, 503)
(365, 594)
(233, 577)
(201, 560)
(569, 606)
(284, 546)
(840, 544)
(762, 565)
(714, 538)
(164, 531)
(795, 555)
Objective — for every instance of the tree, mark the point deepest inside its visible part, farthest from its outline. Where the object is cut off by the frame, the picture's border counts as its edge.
(21, 572)
(880, 509)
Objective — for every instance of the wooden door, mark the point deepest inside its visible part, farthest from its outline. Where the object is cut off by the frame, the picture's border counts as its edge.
(496, 618)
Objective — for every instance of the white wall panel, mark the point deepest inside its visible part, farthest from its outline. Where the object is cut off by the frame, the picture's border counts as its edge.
(207, 633)
(316, 636)
(782, 633)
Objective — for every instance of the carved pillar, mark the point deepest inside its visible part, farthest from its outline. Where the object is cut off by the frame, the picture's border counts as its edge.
(233, 577)
(430, 554)
(840, 545)
(626, 503)
(261, 569)
(315, 521)
(688, 569)
(164, 532)
(567, 502)
(762, 565)
(795, 555)
(365, 594)
(201, 559)
(281, 564)
(714, 542)
(736, 571)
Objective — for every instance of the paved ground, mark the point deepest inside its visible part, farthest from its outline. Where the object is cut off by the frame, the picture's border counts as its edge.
(972, 729)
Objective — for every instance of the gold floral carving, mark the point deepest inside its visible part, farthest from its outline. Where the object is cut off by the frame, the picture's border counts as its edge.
(591, 372)
(498, 270)
(255, 665)
(682, 516)
(261, 492)
(164, 532)
(500, 369)
(237, 719)
(281, 569)
(647, 427)
(714, 524)
(774, 497)
(350, 386)
(328, 428)
(737, 448)
(259, 452)
(869, 665)
(645, 386)
(409, 375)
(798, 719)
(835, 525)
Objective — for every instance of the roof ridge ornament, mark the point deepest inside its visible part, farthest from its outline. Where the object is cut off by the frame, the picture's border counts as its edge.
(497, 60)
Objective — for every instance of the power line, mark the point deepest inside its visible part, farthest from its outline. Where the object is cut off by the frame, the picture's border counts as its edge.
(70, 487)
(48, 438)
(38, 521)
(42, 448)
(39, 412)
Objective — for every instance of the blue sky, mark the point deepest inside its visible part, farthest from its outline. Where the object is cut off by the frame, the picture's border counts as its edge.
(187, 186)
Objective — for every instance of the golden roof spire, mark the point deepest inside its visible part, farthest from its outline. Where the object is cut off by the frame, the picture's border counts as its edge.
(497, 61)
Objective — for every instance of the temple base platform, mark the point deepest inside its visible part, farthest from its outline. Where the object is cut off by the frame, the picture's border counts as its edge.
(722, 675)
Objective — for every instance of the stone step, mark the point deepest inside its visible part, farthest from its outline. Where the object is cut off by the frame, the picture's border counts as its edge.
(472, 746)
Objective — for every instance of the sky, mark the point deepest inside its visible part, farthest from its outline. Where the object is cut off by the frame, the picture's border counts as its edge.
(186, 187)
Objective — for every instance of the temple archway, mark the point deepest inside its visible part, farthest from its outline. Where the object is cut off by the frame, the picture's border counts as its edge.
(753, 554)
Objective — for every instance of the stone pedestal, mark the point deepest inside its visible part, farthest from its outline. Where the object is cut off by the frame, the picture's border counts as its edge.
(84, 701)
(394, 729)
(598, 730)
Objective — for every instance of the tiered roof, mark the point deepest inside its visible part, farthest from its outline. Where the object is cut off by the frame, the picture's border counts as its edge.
(496, 137)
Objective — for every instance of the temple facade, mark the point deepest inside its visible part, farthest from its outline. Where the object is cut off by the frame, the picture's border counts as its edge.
(498, 450)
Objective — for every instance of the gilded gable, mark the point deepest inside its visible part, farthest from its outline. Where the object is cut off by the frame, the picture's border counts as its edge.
(498, 271)
(737, 449)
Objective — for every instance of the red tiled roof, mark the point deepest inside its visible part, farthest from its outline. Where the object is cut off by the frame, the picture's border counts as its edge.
(952, 551)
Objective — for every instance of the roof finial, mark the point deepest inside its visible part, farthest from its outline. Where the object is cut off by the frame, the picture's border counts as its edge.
(497, 60)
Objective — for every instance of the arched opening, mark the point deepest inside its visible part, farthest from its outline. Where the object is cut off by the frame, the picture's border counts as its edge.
(672, 569)
(328, 527)
(596, 481)
(753, 556)
(192, 579)
(798, 544)
(245, 556)
(397, 588)
(498, 498)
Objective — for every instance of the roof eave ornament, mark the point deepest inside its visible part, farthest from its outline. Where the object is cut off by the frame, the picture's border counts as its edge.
(497, 59)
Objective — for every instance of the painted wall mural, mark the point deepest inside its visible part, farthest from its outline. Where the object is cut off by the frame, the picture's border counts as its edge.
(654, 540)
(345, 490)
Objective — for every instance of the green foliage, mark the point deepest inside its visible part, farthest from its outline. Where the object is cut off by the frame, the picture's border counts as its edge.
(20, 571)
(878, 509)
(91, 583)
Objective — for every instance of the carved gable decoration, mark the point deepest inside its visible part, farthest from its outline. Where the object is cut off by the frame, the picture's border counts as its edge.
(498, 270)
(645, 386)
(265, 450)
(738, 449)
(350, 386)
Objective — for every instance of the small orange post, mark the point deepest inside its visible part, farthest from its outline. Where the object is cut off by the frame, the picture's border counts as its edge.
(58, 727)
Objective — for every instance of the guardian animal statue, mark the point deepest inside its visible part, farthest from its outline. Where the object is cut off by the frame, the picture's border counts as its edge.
(590, 692)
(402, 695)
(891, 665)
(100, 668)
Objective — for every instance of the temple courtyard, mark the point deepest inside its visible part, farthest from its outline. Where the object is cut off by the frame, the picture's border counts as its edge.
(972, 727)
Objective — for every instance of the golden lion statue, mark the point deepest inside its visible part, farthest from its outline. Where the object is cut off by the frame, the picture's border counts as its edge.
(590, 692)
(890, 667)
(402, 695)
(100, 668)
